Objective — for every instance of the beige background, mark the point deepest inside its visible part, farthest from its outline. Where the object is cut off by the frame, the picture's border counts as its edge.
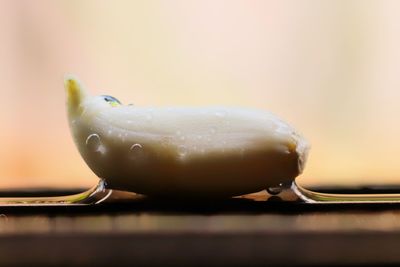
(330, 68)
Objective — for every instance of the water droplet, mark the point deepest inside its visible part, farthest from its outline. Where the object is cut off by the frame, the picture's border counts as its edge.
(109, 132)
(119, 135)
(178, 132)
(182, 138)
(275, 190)
(182, 151)
(93, 142)
(135, 151)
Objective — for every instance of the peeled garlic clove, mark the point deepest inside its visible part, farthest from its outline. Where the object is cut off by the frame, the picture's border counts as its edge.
(183, 151)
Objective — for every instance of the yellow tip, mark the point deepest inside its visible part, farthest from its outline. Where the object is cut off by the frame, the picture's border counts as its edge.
(75, 94)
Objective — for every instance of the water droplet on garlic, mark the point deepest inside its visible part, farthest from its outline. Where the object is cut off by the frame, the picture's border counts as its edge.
(274, 190)
(93, 143)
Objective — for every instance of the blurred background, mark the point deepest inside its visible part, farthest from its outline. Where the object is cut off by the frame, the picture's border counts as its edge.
(329, 68)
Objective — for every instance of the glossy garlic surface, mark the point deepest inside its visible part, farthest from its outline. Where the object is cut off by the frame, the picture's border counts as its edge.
(183, 151)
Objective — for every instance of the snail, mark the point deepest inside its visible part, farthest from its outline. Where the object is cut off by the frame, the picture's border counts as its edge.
(209, 152)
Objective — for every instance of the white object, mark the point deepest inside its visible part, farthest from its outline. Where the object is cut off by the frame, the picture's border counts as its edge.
(183, 151)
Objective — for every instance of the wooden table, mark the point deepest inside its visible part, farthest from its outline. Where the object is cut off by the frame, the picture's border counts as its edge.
(235, 232)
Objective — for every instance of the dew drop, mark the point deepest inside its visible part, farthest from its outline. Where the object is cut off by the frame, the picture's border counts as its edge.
(275, 190)
(109, 132)
(135, 151)
(94, 144)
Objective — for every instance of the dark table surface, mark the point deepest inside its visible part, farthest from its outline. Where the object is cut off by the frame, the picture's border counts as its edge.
(234, 232)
